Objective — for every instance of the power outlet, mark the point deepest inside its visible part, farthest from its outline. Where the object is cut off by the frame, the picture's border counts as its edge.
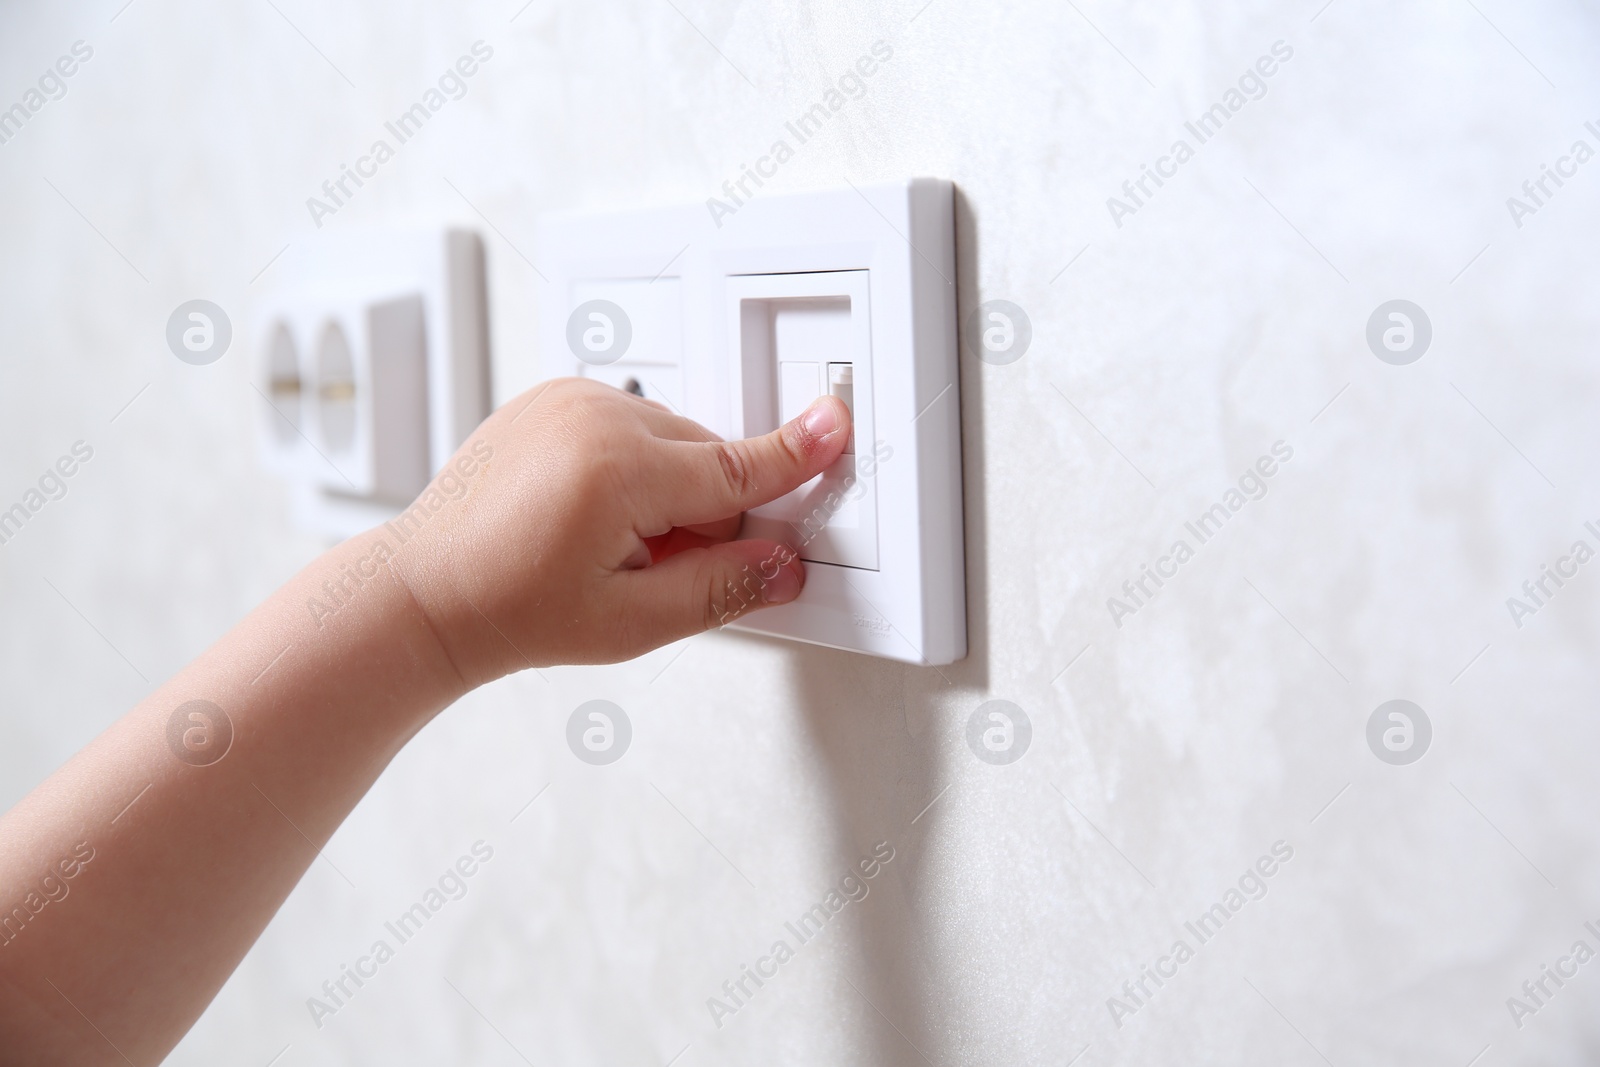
(372, 362)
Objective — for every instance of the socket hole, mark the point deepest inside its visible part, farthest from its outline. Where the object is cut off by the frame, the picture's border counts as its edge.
(336, 389)
(283, 383)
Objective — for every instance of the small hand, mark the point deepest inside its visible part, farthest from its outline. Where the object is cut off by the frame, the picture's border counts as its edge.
(595, 526)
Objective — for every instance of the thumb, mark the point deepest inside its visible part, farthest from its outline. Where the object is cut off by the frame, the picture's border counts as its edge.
(704, 588)
(729, 477)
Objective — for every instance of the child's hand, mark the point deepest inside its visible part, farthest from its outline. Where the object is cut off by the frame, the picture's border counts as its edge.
(592, 526)
(535, 546)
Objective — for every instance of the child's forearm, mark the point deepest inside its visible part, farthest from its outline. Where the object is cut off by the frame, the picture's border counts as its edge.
(135, 878)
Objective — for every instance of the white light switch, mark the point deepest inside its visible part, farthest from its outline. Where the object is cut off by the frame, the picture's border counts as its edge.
(849, 292)
(842, 384)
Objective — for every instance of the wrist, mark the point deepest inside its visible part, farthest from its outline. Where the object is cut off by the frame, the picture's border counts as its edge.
(365, 600)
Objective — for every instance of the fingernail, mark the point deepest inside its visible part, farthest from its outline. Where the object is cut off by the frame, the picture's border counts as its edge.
(783, 586)
(821, 418)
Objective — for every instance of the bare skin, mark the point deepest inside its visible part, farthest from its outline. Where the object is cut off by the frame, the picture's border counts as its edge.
(577, 525)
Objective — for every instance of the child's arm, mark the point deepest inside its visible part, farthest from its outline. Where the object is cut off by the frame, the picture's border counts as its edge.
(134, 879)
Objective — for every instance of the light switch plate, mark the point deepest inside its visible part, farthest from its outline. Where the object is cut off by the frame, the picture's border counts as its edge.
(372, 361)
(730, 319)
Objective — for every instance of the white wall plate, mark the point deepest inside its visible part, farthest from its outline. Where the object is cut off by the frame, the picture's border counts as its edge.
(372, 354)
(737, 322)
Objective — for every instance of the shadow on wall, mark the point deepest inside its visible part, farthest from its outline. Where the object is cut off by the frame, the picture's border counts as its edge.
(883, 733)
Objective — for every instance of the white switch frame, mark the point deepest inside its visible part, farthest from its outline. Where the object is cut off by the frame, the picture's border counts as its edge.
(913, 608)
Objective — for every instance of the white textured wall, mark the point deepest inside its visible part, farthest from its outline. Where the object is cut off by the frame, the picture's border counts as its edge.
(1220, 719)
